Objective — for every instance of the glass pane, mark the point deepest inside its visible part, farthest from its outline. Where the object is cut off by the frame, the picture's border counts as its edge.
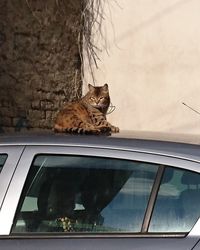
(178, 205)
(3, 158)
(84, 194)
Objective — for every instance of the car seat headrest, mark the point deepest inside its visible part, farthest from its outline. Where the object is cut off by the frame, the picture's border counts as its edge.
(190, 178)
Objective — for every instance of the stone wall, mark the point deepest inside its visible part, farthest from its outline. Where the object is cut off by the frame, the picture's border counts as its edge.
(39, 61)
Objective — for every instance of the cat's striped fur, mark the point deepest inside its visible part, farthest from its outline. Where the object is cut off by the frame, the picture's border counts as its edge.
(87, 115)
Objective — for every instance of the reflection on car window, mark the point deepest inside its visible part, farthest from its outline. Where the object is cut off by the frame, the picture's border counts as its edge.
(178, 204)
(3, 158)
(84, 194)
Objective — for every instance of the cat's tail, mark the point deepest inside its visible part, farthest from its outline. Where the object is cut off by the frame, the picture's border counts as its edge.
(75, 130)
(82, 131)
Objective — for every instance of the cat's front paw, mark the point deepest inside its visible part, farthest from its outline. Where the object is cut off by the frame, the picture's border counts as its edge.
(114, 129)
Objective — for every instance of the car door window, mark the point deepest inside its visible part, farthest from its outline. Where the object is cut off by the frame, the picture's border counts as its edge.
(3, 158)
(84, 194)
(178, 205)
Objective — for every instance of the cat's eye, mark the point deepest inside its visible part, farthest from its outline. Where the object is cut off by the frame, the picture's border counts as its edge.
(92, 98)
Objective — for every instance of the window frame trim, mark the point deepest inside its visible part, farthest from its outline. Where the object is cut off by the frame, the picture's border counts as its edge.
(13, 156)
(152, 199)
(82, 235)
(7, 217)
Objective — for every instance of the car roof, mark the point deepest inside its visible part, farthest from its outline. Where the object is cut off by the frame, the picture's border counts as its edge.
(37, 137)
(176, 145)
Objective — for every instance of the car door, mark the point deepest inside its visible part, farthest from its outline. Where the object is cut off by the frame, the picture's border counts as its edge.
(92, 198)
(9, 157)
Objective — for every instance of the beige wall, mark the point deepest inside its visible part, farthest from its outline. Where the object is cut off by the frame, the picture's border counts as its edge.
(153, 64)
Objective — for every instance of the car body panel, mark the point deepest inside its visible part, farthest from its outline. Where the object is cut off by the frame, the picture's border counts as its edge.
(21, 156)
(197, 246)
(98, 243)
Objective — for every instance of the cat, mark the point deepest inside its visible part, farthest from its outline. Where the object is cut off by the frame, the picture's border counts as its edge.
(86, 115)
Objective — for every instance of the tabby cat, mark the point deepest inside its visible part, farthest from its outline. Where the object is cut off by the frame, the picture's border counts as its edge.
(87, 115)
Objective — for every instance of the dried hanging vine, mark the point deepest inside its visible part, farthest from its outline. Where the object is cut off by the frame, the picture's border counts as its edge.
(90, 28)
(92, 16)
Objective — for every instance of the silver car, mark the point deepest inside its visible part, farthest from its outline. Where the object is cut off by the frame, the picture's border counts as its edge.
(126, 191)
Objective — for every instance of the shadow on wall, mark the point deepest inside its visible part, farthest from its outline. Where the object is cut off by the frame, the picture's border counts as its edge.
(152, 19)
(1, 129)
(22, 123)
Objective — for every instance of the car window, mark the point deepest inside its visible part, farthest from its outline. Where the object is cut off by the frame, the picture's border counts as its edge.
(178, 205)
(3, 158)
(84, 194)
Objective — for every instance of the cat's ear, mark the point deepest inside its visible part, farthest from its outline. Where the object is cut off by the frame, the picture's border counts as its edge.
(90, 87)
(105, 87)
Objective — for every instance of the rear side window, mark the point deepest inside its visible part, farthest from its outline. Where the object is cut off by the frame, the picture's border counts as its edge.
(177, 207)
(3, 158)
(84, 194)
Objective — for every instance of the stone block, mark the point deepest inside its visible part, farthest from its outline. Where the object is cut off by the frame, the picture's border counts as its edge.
(35, 115)
(7, 121)
(46, 105)
(35, 104)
